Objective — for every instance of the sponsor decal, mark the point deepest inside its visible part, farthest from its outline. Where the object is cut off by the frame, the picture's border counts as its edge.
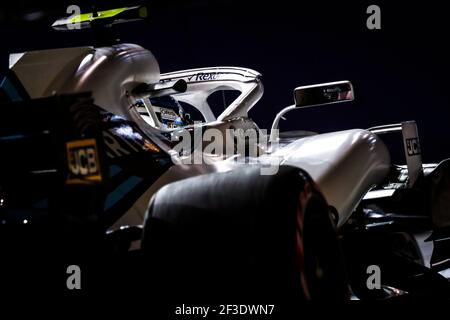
(209, 76)
(413, 146)
(148, 146)
(168, 114)
(125, 141)
(83, 162)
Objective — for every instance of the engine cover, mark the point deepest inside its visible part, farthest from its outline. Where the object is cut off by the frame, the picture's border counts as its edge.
(344, 165)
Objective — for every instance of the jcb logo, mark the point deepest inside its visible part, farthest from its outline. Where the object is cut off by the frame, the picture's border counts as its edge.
(413, 146)
(83, 162)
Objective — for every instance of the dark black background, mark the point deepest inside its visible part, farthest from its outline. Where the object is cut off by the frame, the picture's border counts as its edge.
(399, 72)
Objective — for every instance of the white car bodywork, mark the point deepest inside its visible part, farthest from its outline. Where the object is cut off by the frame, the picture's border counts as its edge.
(344, 165)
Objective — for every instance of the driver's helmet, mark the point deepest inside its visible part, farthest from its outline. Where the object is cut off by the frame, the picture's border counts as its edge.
(170, 112)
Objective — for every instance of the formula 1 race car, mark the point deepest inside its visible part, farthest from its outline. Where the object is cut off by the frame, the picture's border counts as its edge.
(104, 159)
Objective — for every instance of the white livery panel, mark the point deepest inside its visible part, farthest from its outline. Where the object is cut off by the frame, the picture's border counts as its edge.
(345, 165)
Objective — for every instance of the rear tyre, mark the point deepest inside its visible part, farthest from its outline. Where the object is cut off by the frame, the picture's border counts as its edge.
(240, 235)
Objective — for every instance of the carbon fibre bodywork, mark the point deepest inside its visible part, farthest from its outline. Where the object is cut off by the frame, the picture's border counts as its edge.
(111, 74)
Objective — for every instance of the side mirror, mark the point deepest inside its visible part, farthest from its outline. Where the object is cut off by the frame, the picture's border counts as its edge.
(324, 93)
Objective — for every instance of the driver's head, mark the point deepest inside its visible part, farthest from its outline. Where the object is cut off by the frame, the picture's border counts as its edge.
(169, 102)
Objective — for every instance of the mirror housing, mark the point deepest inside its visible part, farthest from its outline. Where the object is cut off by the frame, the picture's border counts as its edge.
(315, 95)
(324, 93)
